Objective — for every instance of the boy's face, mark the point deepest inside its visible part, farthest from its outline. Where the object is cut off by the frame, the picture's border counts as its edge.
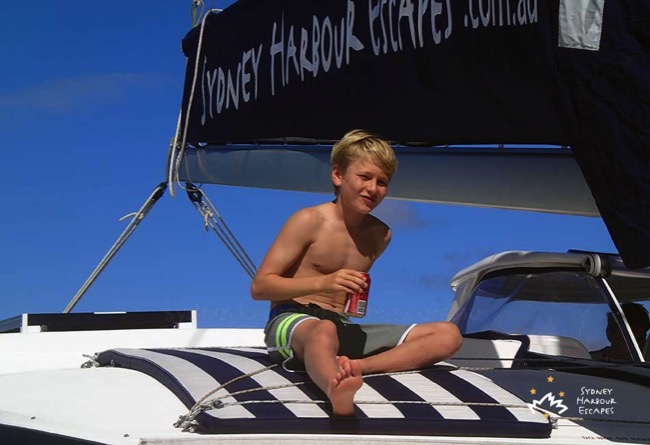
(363, 185)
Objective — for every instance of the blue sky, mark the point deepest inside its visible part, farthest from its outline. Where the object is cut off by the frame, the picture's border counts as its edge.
(89, 99)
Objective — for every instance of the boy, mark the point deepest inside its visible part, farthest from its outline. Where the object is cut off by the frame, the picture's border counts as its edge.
(317, 258)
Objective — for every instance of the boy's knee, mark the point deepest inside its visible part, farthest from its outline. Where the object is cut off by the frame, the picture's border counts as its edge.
(458, 338)
(324, 328)
(453, 336)
(317, 333)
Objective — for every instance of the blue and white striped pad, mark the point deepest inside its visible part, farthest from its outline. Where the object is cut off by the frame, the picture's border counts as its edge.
(438, 401)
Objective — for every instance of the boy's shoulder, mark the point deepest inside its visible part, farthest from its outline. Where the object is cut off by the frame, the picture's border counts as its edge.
(310, 215)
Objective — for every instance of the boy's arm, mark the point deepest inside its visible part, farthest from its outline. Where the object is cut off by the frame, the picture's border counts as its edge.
(270, 282)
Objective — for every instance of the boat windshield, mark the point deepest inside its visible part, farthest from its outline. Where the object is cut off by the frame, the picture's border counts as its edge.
(558, 304)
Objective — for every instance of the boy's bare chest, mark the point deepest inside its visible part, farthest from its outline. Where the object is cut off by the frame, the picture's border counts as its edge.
(337, 250)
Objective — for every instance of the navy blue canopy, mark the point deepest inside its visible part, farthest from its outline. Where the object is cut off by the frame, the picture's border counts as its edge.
(439, 72)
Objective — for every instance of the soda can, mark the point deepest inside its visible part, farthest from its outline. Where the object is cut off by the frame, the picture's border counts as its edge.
(356, 304)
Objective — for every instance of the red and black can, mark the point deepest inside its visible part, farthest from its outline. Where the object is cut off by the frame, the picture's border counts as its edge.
(356, 304)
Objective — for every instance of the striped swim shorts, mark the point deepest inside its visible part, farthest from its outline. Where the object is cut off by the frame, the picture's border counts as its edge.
(355, 340)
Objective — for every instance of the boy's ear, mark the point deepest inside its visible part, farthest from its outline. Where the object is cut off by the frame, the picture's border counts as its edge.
(336, 175)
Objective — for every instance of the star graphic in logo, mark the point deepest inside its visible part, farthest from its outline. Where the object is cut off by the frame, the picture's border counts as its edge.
(548, 403)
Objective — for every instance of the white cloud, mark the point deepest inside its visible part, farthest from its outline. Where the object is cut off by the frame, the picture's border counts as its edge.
(453, 262)
(78, 93)
(400, 214)
(463, 258)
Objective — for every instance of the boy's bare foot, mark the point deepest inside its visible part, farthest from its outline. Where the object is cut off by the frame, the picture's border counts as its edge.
(344, 386)
(344, 366)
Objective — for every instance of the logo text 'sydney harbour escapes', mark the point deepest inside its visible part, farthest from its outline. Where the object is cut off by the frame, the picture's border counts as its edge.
(297, 52)
(588, 401)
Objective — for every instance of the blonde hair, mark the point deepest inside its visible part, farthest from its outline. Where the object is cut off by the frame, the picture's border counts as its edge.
(359, 144)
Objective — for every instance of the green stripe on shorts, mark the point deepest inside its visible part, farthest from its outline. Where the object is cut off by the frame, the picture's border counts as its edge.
(281, 335)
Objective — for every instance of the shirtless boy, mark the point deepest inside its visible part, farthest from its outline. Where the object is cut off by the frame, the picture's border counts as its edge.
(317, 258)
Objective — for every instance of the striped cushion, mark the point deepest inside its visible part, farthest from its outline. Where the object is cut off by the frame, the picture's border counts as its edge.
(442, 400)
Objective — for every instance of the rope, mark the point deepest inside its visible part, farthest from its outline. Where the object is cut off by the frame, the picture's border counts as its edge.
(377, 402)
(173, 146)
(181, 150)
(250, 374)
(213, 220)
(594, 419)
(197, 11)
(175, 157)
(579, 361)
(187, 421)
(177, 152)
(173, 167)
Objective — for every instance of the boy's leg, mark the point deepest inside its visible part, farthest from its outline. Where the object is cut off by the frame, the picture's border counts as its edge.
(315, 343)
(425, 345)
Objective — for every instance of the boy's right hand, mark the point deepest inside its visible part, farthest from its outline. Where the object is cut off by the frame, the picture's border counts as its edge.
(347, 281)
